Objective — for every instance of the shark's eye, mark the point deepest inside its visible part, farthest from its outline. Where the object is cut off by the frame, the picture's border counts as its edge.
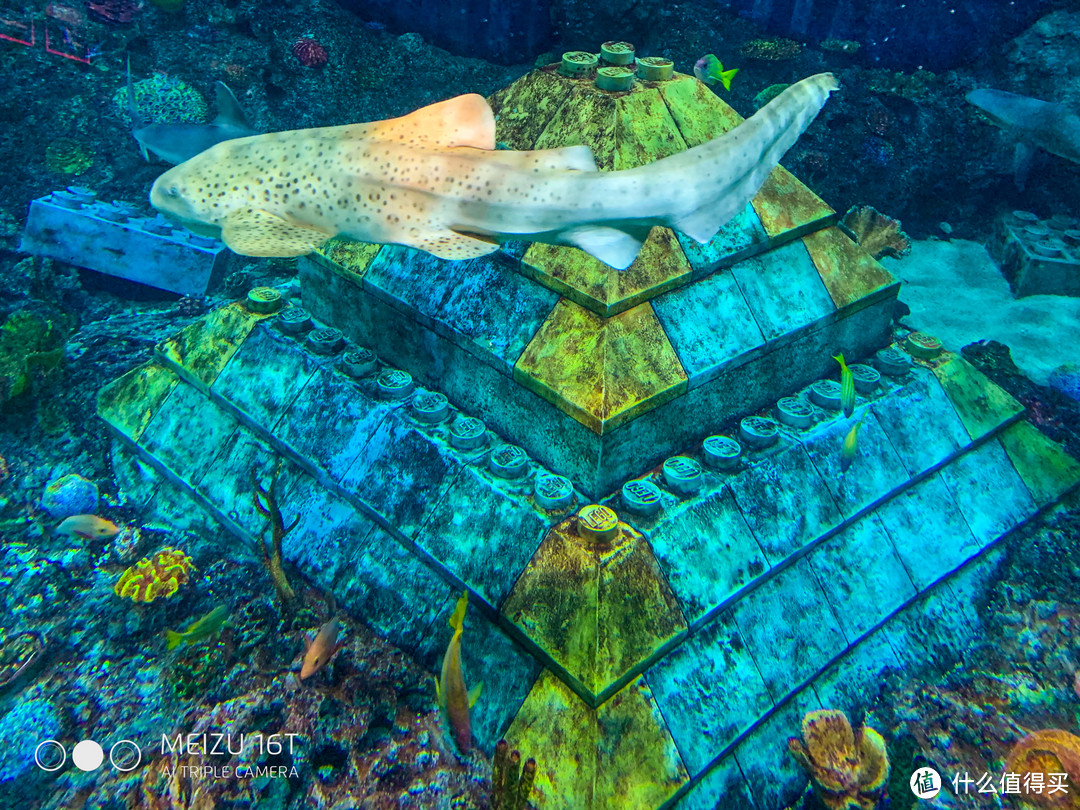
(173, 191)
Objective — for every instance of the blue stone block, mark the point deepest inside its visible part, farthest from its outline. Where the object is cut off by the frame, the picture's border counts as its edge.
(972, 584)
(783, 289)
(775, 778)
(785, 502)
(176, 260)
(853, 683)
(707, 552)
(264, 376)
(789, 628)
(863, 576)
(186, 433)
(930, 633)
(330, 421)
(875, 472)
(921, 423)
(401, 474)
(482, 535)
(991, 495)
(744, 235)
(709, 691)
(928, 531)
(723, 788)
(227, 485)
(708, 323)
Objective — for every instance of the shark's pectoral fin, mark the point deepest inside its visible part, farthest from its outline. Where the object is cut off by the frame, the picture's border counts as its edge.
(254, 232)
(700, 225)
(453, 245)
(614, 247)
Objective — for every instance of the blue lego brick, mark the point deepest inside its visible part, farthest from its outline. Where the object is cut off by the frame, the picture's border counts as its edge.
(785, 502)
(930, 632)
(709, 324)
(174, 260)
(783, 289)
(742, 236)
(789, 628)
(865, 579)
(186, 433)
(709, 691)
(853, 683)
(723, 786)
(775, 778)
(707, 552)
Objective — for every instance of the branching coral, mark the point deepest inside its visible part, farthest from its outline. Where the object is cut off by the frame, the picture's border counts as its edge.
(267, 504)
(773, 49)
(68, 156)
(1052, 751)
(848, 767)
(159, 575)
(162, 99)
(878, 234)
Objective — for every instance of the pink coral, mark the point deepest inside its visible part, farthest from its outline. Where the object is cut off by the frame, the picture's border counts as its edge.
(118, 12)
(309, 52)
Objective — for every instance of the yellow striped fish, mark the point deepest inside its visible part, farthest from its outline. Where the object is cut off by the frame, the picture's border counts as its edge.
(851, 440)
(847, 386)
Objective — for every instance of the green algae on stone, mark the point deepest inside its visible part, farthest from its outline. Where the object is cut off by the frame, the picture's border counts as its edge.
(130, 402)
(1046, 469)
(982, 405)
(201, 350)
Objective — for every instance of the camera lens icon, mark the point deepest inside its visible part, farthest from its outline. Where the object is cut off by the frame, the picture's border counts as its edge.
(50, 755)
(125, 755)
(87, 755)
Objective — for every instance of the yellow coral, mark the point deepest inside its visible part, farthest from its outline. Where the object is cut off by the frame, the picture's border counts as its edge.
(848, 767)
(159, 575)
(1047, 752)
(879, 235)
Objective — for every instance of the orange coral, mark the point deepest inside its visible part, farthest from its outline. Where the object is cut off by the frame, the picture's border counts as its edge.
(1049, 752)
(159, 575)
(848, 767)
(879, 235)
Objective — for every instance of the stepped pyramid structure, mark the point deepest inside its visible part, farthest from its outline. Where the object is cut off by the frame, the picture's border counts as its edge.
(636, 476)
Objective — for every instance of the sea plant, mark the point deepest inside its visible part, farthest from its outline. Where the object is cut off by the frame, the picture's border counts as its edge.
(848, 767)
(266, 502)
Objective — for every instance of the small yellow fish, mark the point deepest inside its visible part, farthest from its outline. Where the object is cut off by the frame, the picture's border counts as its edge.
(199, 630)
(847, 453)
(710, 70)
(319, 650)
(88, 527)
(847, 386)
(450, 688)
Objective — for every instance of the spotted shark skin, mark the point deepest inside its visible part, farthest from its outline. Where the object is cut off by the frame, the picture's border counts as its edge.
(433, 180)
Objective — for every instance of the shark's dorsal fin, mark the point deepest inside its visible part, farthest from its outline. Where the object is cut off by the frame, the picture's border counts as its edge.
(460, 121)
(228, 108)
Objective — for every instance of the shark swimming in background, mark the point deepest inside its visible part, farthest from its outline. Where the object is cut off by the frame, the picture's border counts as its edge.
(1052, 127)
(434, 180)
(175, 143)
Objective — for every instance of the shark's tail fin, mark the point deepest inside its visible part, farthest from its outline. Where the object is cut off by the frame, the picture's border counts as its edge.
(137, 122)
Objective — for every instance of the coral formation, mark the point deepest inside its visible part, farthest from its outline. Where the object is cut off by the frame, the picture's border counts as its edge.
(771, 49)
(309, 52)
(29, 345)
(27, 720)
(848, 767)
(196, 670)
(768, 94)
(117, 12)
(68, 156)
(159, 575)
(877, 151)
(162, 99)
(511, 781)
(839, 45)
(1066, 379)
(1048, 752)
(879, 234)
(267, 505)
(69, 495)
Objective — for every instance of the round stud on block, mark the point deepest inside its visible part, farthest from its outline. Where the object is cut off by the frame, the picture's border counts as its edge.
(325, 341)
(83, 195)
(128, 208)
(826, 394)
(615, 79)
(617, 53)
(655, 68)
(578, 63)
(794, 412)
(597, 522)
(394, 383)
(468, 433)
(160, 226)
(508, 461)
(1024, 217)
(1048, 249)
(1060, 222)
(109, 213)
(682, 474)
(293, 320)
(198, 240)
(892, 362)
(1036, 230)
(264, 300)
(757, 432)
(721, 452)
(359, 362)
(866, 378)
(923, 346)
(65, 199)
(430, 407)
(1072, 236)
(553, 491)
(641, 497)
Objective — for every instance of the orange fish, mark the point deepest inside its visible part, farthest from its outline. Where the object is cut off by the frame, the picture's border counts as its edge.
(88, 527)
(319, 651)
(450, 690)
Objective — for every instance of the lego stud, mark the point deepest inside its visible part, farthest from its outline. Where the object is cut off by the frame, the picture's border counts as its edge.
(109, 213)
(293, 320)
(892, 362)
(553, 491)
(758, 432)
(597, 523)
(264, 300)
(617, 53)
(655, 68)
(615, 79)
(923, 346)
(1048, 249)
(826, 394)
(794, 412)
(682, 474)
(1072, 236)
(359, 362)
(508, 461)
(158, 225)
(641, 497)
(198, 240)
(325, 341)
(65, 199)
(721, 452)
(430, 407)
(1024, 217)
(866, 378)
(1060, 222)
(577, 63)
(83, 195)
(1036, 229)
(128, 208)
(394, 383)
(468, 433)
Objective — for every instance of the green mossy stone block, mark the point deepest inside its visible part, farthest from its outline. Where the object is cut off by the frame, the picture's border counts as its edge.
(523, 108)
(921, 424)
(724, 786)
(788, 208)
(739, 238)
(130, 402)
(702, 716)
(928, 635)
(587, 117)
(864, 579)
(928, 531)
(644, 130)
(789, 628)
(187, 433)
(1046, 469)
(201, 350)
(989, 492)
(783, 290)
(854, 682)
(981, 404)
(700, 114)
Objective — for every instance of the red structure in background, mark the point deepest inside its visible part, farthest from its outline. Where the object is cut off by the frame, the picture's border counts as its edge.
(60, 31)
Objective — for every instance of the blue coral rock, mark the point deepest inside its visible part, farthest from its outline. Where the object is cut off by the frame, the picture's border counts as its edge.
(70, 495)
